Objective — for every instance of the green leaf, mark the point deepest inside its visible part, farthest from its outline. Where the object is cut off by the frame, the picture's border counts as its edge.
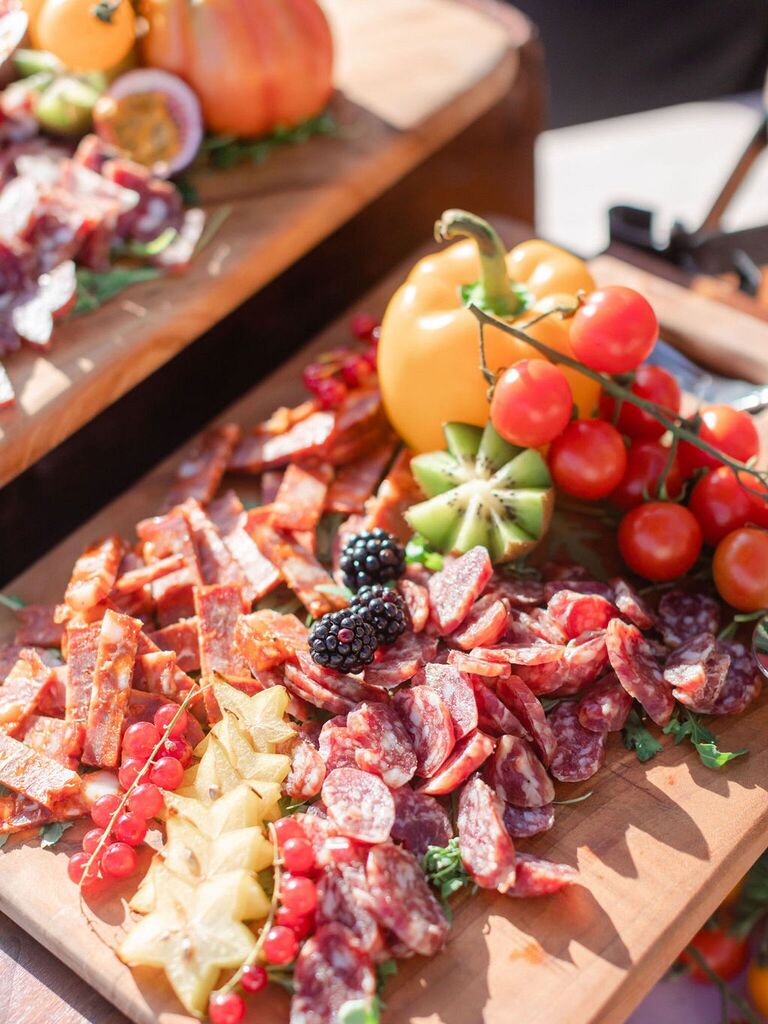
(419, 550)
(384, 971)
(335, 589)
(575, 799)
(702, 738)
(711, 757)
(4, 839)
(188, 191)
(4, 791)
(281, 976)
(360, 1011)
(636, 737)
(14, 603)
(444, 870)
(94, 288)
(156, 246)
(51, 833)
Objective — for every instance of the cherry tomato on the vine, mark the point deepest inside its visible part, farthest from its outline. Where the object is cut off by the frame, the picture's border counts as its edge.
(646, 461)
(614, 330)
(731, 431)
(532, 403)
(721, 504)
(588, 459)
(740, 569)
(660, 540)
(724, 953)
(757, 986)
(655, 384)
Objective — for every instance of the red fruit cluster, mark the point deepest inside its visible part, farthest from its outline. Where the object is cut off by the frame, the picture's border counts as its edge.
(335, 372)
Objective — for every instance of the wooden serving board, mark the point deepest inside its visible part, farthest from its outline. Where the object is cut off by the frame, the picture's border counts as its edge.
(657, 847)
(459, 62)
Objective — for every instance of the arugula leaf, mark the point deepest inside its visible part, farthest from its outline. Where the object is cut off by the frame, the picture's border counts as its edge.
(636, 737)
(703, 739)
(225, 151)
(14, 603)
(418, 549)
(51, 833)
(4, 791)
(281, 976)
(4, 839)
(155, 246)
(336, 590)
(360, 1011)
(574, 799)
(444, 870)
(384, 971)
(95, 288)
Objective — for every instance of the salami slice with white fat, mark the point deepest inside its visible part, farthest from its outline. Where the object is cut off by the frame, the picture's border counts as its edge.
(517, 776)
(697, 671)
(526, 707)
(521, 654)
(331, 969)
(585, 659)
(539, 877)
(342, 898)
(456, 693)
(400, 661)
(638, 670)
(454, 589)
(416, 599)
(348, 687)
(468, 755)
(487, 851)
(403, 901)
(307, 774)
(301, 685)
(428, 723)
(536, 624)
(580, 752)
(493, 715)
(743, 682)
(478, 666)
(682, 615)
(384, 746)
(485, 624)
(580, 586)
(336, 744)
(631, 605)
(359, 805)
(605, 706)
(523, 822)
(580, 613)
(420, 821)
(520, 593)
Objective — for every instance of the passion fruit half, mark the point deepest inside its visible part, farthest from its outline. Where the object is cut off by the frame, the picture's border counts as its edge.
(152, 116)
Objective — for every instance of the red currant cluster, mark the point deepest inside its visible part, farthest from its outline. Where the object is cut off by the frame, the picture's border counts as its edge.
(335, 372)
(140, 740)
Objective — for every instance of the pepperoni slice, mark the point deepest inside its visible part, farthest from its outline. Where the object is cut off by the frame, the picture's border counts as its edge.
(697, 672)
(580, 613)
(519, 593)
(520, 699)
(605, 706)
(384, 746)
(682, 615)
(743, 682)
(420, 821)
(337, 745)
(478, 666)
(539, 877)
(631, 605)
(531, 626)
(359, 805)
(331, 969)
(428, 723)
(638, 671)
(522, 654)
(517, 775)
(485, 624)
(416, 599)
(403, 901)
(342, 897)
(466, 758)
(307, 774)
(580, 752)
(454, 589)
(401, 660)
(493, 715)
(487, 851)
(344, 686)
(522, 822)
(456, 693)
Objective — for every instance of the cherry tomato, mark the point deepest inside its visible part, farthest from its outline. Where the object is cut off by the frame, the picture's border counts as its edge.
(254, 978)
(731, 431)
(588, 460)
(740, 569)
(167, 773)
(288, 828)
(118, 860)
(129, 771)
(140, 740)
(165, 715)
(646, 461)
(614, 330)
(280, 945)
(226, 1008)
(757, 986)
(146, 801)
(655, 384)
(130, 828)
(532, 403)
(298, 894)
(91, 840)
(298, 856)
(660, 540)
(81, 38)
(725, 954)
(104, 808)
(721, 504)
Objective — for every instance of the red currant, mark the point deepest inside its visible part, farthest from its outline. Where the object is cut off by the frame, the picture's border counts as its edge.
(300, 894)
(355, 370)
(104, 808)
(131, 829)
(226, 1008)
(140, 740)
(362, 325)
(76, 868)
(129, 771)
(165, 715)
(146, 801)
(298, 856)
(119, 860)
(330, 392)
(179, 749)
(254, 978)
(370, 357)
(339, 850)
(167, 773)
(92, 839)
(300, 924)
(288, 828)
(280, 945)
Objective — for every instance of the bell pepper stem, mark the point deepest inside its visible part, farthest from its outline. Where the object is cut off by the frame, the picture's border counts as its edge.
(498, 294)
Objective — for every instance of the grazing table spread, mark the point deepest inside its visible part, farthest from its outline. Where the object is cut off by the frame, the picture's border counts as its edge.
(656, 844)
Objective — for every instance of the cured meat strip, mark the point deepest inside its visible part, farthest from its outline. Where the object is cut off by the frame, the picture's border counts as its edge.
(526, 627)
(230, 518)
(466, 758)
(301, 571)
(94, 574)
(384, 746)
(403, 901)
(111, 689)
(34, 775)
(487, 851)
(9, 655)
(160, 674)
(183, 638)
(580, 752)
(697, 672)
(539, 877)
(631, 605)
(265, 639)
(420, 821)
(300, 498)
(682, 616)
(456, 693)
(360, 425)
(342, 897)
(135, 579)
(743, 682)
(331, 969)
(307, 774)
(201, 469)
(304, 439)
(428, 723)
(216, 562)
(454, 589)
(53, 737)
(400, 661)
(83, 650)
(174, 593)
(38, 626)
(579, 613)
(218, 609)
(270, 485)
(517, 775)
(605, 706)
(356, 481)
(485, 624)
(23, 691)
(359, 805)
(397, 492)
(494, 716)
(522, 822)
(285, 416)
(634, 662)
(528, 710)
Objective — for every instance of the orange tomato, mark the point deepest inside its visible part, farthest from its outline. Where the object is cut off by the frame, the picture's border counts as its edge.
(740, 569)
(86, 35)
(757, 986)
(32, 9)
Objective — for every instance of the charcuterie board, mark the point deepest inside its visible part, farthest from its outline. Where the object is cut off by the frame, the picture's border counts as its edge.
(657, 847)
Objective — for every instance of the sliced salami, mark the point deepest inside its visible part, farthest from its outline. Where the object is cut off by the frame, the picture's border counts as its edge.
(519, 592)
(631, 605)
(517, 776)
(454, 589)
(416, 599)
(580, 752)
(523, 822)
(697, 672)
(493, 715)
(403, 901)
(345, 686)
(743, 682)
(585, 659)
(420, 821)
(683, 615)
(428, 723)
(478, 666)
(521, 654)
(526, 707)
(638, 670)
(485, 624)
(307, 774)
(37, 626)
(564, 570)
(605, 706)
(456, 693)
(307, 688)
(487, 851)
(534, 625)
(401, 660)
(539, 877)
(580, 586)
(337, 745)
(342, 898)
(580, 613)
(468, 755)
(359, 805)
(331, 969)
(384, 746)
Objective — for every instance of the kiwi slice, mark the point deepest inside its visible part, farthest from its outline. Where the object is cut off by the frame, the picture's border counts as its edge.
(482, 490)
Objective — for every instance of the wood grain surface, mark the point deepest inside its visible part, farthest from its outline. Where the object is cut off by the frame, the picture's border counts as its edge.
(408, 84)
(657, 847)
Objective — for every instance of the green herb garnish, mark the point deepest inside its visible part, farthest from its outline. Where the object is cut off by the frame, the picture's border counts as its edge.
(418, 550)
(51, 833)
(636, 737)
(702, 739)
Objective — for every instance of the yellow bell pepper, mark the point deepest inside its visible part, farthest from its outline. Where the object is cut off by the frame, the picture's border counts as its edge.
(429, 355)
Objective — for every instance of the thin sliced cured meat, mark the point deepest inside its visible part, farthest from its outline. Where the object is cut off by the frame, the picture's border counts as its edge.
(585, 660)
(34, 775)
(743, 682)
(683, 615)
(493, 715)
(94, 574)
(160, 674)
(183, 638)
(521, 654)
(53, 737)
(217, 564)
(454, 590)
(304, 439)
(360, 424)
(468, 755)
(174, 597)
(286, 416)
(580, 586)
(605, 705)
(307, 774)
(356, 481)
(110, 689)
(520, 593)
(523, 822)
(266, 638)
(228, 515)
(428, 722)
(580, 752)
(527, 709)
(487, 850)
(306, 688)
(397, 492)
(342, 898)
(485, 624)
(331, 969)
(479, 666)
(54, 699)
(202, 468)
(539, 877)
(517, 776)
(336, 744)
(416, 599)
(696, 671)
(349, 687)
(23, 690)
(82, 653)
(37, 626)
(457, 695)
(384, 745)
(403, 901)
(400, 661)
(270, 485)
(166, 535)
(631, 605)
(301, 571)
(9, 655)
(580, 613)
(421, 821)
(135, 579)
(218, 609)
(359, 804)
(564, 569)
(638, 670)
(526, 627)
(300, 498)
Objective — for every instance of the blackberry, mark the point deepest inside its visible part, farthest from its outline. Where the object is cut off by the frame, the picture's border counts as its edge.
(383, 609)
(343, 641)
(371, 557)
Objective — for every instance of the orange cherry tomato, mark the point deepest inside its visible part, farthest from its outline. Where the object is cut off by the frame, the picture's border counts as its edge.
(660, 540)
(740, 569)
(87, 35)
(588, 459)
(731, 431)
(724, 953)
(532, 403)
(757, 986)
